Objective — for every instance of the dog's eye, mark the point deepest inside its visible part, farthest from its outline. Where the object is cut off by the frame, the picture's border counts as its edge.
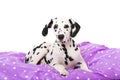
(55, 26)
(66, 26)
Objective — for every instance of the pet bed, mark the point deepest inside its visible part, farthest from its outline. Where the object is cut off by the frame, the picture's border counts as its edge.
(103, 61)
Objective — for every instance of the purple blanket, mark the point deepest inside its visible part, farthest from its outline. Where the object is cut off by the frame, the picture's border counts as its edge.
(103, 61)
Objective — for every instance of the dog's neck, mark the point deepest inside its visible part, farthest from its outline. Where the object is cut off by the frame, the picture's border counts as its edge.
(68, 42)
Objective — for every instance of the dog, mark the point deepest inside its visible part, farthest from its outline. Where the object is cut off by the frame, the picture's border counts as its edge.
(64, 53)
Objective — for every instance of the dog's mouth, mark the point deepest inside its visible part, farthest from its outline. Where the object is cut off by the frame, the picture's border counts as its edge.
(62, 38)
(61, 41)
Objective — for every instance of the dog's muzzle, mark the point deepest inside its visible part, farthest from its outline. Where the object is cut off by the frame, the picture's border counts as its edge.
(61, 37)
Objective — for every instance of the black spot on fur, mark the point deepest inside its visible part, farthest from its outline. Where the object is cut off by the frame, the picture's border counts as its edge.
(60, 29)
(58, 44)
(38, 47)
(76, 48)
(44, 42)
(79, 63)
(45, 60)
(64, 49)
(30, 57)
(70, 39)
(47, 51)
(51, 52)
(71, 59)
(66, 62)
(37, 53)
(45, 46)
(54, 64)
(55, 26)
(49, 61)
(66, 54)
(39, 62)
(63, 42)
(28, 52)
(66, 26)
(73, 43)
(61, 49)
(76, 67)
(26, 60)
(63, 45)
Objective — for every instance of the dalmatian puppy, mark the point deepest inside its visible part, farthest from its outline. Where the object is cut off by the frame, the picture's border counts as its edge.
(64, 53)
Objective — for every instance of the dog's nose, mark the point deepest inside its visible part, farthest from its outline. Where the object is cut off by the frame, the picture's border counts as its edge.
(60, 37)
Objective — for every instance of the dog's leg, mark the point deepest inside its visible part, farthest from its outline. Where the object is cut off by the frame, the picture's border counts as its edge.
(61, 69)
(36, 55)
(82, 65)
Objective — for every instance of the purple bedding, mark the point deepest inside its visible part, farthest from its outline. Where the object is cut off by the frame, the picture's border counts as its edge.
(103, 61)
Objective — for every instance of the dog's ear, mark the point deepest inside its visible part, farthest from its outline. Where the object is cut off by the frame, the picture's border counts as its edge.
(45, 29)
(74, 26)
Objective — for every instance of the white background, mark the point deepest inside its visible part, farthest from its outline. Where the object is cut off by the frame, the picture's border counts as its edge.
(21, 21)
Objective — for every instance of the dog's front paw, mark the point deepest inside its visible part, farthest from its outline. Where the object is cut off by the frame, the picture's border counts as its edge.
(61, 69)
(64, 72)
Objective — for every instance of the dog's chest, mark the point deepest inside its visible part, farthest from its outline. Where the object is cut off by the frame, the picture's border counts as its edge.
(63, 54)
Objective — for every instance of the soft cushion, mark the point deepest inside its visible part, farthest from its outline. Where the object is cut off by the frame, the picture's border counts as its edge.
(103, 61)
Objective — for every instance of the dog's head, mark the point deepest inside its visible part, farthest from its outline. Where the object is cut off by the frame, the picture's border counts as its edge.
(63, 28)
